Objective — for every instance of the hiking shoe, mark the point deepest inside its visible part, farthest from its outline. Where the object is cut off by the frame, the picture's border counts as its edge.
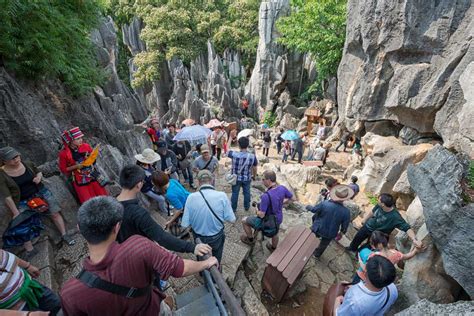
(69, 240)
(246, 240)
(270, 247)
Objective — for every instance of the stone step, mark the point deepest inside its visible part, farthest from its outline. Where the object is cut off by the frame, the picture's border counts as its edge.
(205, 305)
(191, 295)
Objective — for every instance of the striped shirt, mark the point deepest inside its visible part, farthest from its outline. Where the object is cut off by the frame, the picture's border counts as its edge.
(11, 279)
(242, 163)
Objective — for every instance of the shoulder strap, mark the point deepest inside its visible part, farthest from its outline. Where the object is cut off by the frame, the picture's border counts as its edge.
(94, 281)
(247, 158)
(212, 211)
(386, 300)
(207, 165)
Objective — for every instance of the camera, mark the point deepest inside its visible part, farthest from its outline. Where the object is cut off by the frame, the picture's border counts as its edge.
(254, 204)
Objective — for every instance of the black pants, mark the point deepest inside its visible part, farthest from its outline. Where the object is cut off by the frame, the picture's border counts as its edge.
(323, 244)
(49, 302)
(300, 155)
(265, 151)
(216, 151)
(360, 237)
(216, 242)
(278, 147)
(342, 142)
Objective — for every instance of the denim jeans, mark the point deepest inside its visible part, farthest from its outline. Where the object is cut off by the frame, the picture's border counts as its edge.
(188, 174)
(235, 194)
(162, 207)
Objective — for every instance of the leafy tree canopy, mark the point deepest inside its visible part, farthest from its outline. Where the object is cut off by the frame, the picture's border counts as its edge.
(51, 39)
(317, 27)
(181, 29)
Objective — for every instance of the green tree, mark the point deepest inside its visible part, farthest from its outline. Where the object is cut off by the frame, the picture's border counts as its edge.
(317, 27)
(182, 28)
(51, 39)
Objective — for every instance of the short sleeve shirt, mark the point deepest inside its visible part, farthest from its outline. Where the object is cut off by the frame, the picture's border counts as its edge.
(176, 194)
(133, 263)
(277, 196)
(200, 163)
(242, 163)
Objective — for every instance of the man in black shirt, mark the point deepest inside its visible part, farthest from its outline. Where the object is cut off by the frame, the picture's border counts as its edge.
(137, 220)
(182, 150)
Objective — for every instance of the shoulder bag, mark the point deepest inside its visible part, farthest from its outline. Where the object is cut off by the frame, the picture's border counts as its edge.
(231, 178)
(270, 226)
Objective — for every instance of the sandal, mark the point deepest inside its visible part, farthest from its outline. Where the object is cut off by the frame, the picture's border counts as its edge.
(246, 240)
(270, 247)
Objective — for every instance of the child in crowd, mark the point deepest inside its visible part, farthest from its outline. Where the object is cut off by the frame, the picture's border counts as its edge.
(286, 151)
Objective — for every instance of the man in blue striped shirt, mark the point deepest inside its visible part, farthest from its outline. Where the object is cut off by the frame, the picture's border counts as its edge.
(244, 165)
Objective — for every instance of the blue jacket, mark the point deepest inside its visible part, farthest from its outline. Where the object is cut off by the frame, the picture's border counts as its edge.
(329, 217)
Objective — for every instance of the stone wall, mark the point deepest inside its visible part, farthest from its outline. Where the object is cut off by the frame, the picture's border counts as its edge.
(410, 62)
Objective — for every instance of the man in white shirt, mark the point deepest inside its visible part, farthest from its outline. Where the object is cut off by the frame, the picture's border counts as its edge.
(206, 211)
(375, 296)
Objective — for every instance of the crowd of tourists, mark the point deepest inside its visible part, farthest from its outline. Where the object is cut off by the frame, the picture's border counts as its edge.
(131, 256)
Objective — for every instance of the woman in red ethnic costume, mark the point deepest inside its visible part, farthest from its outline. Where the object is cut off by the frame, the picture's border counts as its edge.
(71, 157)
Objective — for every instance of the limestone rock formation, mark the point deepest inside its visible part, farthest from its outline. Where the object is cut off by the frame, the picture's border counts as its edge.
(275, 69)
(410, 62)
(436, 181)
(425, 307)
(387, 159)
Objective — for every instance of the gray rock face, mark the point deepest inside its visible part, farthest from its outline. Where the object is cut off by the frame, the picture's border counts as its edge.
(412, 62)
(275, 69)
(436, 181)
(425, 307)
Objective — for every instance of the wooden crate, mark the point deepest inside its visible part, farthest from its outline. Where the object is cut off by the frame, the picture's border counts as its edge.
(287, 262)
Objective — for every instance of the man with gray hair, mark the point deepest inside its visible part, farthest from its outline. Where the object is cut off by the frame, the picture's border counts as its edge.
(206, 211)
(117, 279)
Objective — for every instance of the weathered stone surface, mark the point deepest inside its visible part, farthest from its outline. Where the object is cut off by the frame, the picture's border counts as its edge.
(425, 308)
(436, 181)
(299, 175)
(353, 208)
(386, 162)
(250, 302)
(425, 277)
(288, 122)
(412, 62)
(234, 254)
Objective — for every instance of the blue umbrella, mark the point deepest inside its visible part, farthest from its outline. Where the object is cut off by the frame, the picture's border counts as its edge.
(196, 134)
(290, 135)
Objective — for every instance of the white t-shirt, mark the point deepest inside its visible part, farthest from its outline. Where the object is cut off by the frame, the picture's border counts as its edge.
(359, 300)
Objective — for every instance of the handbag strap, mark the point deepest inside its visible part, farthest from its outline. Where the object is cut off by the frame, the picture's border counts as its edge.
(386, 301)
(212, 211)
(247, 158)
(94, 281)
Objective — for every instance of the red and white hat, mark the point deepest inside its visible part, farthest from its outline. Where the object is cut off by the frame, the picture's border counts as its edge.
(72, 134)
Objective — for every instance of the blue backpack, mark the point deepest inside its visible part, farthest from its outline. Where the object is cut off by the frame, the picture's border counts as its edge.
(22, 228)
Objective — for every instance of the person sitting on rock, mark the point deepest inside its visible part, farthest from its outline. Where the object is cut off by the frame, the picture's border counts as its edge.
(331, 218)
(354, 186)
(373, 297)
(206, 211)
(271, 204)
(128, 269)
(21, 291)
(169, 162)
(244, 166)
(379, 246)
(384, 217)
(206, 162)
(174, 192)
(84, 178)
(20, 183)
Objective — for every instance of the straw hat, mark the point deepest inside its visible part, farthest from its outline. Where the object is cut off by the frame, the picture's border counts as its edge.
(341, 193)
(148, 156)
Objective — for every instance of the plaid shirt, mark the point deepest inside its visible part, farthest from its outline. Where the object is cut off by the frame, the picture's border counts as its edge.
(243, 162)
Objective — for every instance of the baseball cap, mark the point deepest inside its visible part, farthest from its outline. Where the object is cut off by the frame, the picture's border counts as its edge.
(204, 148)
(8, 153)
(205, 175)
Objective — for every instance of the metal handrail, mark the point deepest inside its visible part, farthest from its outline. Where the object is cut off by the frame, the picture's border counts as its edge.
(227, 294)
(211, 286)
